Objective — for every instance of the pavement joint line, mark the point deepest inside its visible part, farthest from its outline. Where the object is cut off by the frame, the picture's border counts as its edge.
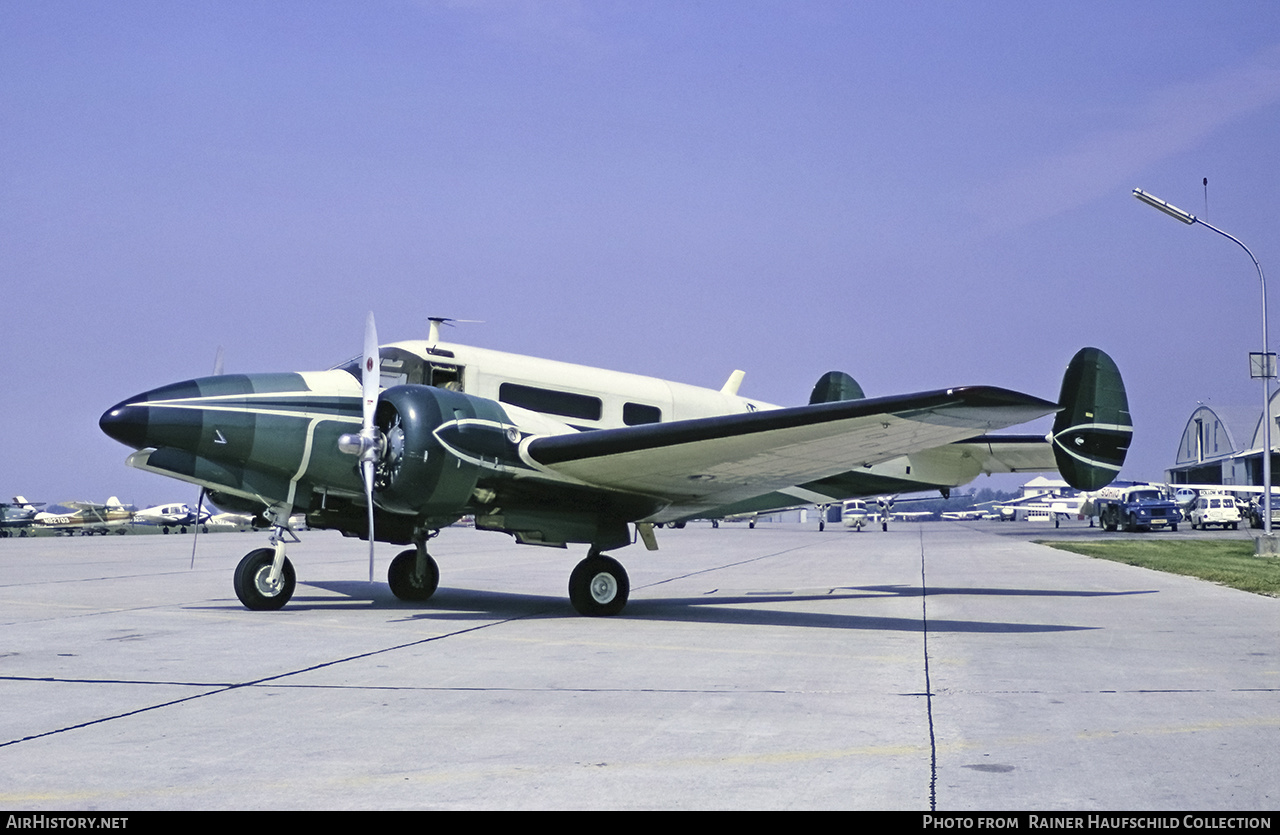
(928, 688)
(727, 565)
(260, 681)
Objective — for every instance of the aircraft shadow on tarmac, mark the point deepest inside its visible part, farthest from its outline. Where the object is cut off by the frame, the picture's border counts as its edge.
(746, 608)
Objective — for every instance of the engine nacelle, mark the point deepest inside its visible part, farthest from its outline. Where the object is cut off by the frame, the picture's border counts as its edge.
(416, 474)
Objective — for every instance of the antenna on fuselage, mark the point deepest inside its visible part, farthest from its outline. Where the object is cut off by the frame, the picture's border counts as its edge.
(433, 335)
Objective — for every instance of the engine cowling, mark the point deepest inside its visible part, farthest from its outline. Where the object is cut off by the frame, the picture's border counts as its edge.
(416, 474)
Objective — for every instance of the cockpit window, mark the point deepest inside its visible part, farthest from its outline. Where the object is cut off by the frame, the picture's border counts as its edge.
(400, 367)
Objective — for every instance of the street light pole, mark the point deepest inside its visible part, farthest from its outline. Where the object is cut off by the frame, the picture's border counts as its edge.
(1268, 363)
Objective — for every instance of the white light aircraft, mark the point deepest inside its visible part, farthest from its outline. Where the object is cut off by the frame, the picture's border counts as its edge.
(409, 437)
(963, 515)
(172, 517)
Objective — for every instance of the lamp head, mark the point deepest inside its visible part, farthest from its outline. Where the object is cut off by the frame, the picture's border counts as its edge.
(1168, 208)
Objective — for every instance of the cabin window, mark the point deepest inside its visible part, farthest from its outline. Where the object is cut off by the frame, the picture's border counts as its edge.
(550, 402)
(635, 414)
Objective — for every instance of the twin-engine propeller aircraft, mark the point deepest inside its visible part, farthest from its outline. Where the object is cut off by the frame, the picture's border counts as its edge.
(175, 517)
(412, 436)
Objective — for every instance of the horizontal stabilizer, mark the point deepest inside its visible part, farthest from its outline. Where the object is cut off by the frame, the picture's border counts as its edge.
(1091, 433)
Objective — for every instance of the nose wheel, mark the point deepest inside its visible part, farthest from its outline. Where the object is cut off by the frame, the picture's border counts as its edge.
(264, 579)
(255, 586)
(599, 586)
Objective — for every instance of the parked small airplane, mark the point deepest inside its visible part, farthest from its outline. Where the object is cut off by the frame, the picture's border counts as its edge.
(408, 438)
(172, 517)
(963, 515)
(86, 518)
(16, 519)
(854, 514)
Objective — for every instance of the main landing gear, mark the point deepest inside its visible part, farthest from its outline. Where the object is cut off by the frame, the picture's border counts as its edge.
(413, 575)
(599, 586)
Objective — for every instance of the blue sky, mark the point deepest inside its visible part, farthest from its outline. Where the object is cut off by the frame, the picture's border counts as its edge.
(921, 194)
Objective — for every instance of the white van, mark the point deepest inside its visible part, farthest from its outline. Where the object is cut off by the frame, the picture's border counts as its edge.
(1215, 509)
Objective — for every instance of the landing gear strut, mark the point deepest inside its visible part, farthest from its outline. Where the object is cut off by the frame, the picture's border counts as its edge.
(599, 586)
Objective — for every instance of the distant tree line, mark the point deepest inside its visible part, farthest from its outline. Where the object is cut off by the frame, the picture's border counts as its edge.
(960, 501)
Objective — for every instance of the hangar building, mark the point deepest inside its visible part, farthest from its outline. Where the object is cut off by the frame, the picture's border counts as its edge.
(1223, 445)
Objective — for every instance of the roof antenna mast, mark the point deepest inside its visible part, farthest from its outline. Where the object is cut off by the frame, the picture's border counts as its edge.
(433, 335)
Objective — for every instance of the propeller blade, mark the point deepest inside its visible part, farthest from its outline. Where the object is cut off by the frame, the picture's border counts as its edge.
(217, 372)
(195, 536)
(366, 469)
(370, 371)
(370, 375)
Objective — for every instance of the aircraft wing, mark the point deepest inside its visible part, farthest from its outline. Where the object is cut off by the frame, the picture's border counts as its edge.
(89, 506)
(717, 460)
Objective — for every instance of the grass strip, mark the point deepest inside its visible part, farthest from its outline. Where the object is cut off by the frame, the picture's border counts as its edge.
(1230, 563)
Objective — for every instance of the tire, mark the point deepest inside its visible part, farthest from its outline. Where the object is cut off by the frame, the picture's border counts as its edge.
(251, 581)
(599, 587)
(407, 587)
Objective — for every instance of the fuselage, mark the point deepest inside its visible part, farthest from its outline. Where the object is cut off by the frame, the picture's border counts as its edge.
(260, 441)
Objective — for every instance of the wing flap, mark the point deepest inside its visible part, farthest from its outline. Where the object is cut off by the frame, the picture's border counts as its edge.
(1011, 453)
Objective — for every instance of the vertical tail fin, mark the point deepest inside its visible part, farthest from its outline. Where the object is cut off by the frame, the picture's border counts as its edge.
(1091, 433)
(834, 386)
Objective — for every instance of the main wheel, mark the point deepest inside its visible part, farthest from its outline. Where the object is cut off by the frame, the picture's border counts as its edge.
(252, 585)
(599, 586)
(404, 584)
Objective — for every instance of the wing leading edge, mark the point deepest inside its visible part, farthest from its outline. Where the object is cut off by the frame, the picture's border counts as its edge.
(718, 460)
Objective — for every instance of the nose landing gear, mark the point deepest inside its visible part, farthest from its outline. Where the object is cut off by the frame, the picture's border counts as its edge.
(264, 579)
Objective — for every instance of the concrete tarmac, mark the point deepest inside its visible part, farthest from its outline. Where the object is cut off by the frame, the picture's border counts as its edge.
(952, 666)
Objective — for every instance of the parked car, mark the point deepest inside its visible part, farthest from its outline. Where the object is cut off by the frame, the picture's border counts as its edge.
(1255, 512)
(1214, 509)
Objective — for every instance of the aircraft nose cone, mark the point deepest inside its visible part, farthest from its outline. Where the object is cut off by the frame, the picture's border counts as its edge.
(127, 423)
